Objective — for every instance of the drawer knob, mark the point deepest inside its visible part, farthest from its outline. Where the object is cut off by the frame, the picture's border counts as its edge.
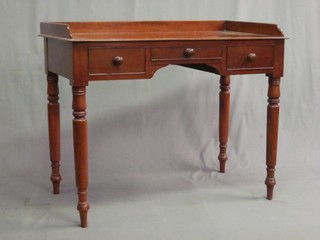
(117, 61)
(189, 52)
(251, 57)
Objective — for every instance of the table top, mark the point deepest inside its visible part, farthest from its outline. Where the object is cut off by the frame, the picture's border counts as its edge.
(159, 31)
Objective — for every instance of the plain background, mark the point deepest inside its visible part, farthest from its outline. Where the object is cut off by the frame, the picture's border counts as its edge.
(153, 144)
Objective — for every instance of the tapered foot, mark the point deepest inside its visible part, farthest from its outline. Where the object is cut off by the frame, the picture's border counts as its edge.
(270, 183)
(222, 158)
(56, 179)
(269, 193)
(270, 186)
(83, 210)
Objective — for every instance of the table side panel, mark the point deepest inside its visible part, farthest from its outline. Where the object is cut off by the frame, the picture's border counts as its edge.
(59, 57)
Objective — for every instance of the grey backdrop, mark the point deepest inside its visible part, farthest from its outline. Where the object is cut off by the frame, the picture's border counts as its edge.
(153, 144)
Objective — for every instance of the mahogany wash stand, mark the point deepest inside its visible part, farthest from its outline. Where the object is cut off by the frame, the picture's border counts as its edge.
(95, 51)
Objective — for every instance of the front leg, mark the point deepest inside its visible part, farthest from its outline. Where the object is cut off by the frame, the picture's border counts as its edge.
(80, 141)
(224, 106)
(272, 133)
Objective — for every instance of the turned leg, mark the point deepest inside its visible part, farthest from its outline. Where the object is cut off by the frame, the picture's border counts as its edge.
(80, 141)
(54, 129)
(272, 133)
(224, 98)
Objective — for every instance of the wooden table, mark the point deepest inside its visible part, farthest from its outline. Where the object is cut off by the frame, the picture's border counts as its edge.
(95, 51)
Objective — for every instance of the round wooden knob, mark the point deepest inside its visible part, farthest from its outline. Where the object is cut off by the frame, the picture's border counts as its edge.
(189, 52)
(117, 61)
(251, 57)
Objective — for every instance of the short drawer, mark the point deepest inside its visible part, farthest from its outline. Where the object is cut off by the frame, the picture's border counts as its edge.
(251, 57)
(104, 61)
(186, 53)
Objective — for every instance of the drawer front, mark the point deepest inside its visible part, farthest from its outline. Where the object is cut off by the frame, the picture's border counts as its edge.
(251, 57)
(185, 53)
(104, 61)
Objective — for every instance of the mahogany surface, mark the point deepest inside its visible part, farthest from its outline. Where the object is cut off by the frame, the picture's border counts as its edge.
(96, 51)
